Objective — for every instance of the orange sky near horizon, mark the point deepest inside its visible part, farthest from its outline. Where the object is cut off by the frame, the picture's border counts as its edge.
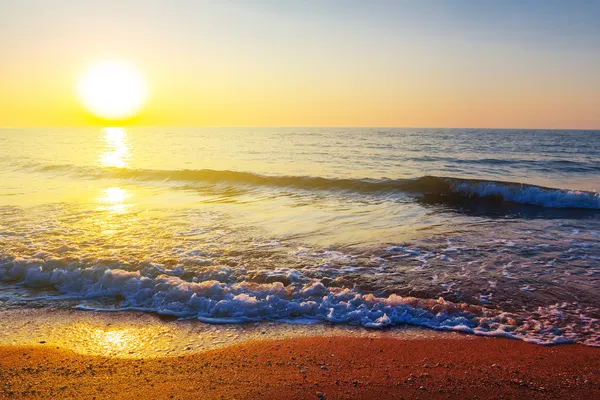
(269, 64)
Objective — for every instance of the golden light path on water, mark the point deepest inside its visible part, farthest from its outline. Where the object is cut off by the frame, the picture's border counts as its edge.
(113, 199)
(116, 152)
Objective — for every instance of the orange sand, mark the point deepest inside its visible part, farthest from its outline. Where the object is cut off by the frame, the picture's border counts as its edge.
(312, 368)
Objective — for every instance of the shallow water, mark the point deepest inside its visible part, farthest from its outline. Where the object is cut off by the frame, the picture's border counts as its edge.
(492, 232)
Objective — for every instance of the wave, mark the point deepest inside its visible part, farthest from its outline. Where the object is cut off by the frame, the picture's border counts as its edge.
(287, 295)
(530, 194)
(443, 188)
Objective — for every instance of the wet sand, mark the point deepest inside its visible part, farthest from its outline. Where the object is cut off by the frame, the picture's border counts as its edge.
(305, 368)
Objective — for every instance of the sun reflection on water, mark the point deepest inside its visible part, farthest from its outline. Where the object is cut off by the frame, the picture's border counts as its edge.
(117, 150)
(113, 199)
(115, 195)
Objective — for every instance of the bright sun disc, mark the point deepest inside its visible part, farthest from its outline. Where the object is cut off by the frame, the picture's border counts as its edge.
(112, 90)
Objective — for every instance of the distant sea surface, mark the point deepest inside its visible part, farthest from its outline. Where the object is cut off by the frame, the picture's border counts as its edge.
(489, 232)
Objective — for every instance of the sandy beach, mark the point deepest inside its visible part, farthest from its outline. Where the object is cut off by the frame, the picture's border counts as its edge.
(311, 199)
(305, 368)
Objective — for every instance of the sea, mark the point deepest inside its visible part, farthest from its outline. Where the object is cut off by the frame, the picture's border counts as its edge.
(480, 231)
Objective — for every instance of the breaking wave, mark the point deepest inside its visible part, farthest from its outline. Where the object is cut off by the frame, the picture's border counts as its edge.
(287, 295)
(440, 188)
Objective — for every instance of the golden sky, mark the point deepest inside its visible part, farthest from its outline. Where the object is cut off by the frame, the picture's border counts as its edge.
(316, 63)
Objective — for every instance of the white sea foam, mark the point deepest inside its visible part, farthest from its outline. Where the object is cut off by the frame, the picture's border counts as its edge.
(302, 299)
(533, 195)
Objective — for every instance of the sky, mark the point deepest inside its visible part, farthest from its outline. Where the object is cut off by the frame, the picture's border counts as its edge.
(496, 64)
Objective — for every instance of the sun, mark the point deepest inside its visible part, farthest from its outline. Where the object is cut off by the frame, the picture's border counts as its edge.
(112, 90)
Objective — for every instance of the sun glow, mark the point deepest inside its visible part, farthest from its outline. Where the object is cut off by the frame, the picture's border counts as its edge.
(112, 90)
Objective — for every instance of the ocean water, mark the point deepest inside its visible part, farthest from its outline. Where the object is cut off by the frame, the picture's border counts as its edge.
(489, 232)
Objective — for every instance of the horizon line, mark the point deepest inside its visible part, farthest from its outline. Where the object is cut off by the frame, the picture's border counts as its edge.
(285, 127)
